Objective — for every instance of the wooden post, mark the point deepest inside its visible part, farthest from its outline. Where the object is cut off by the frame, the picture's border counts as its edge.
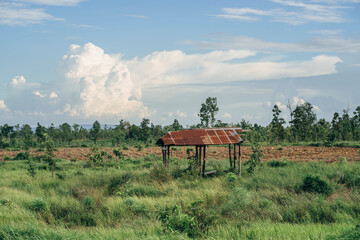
(239, 159)
(164, 154)
(230, 155)
(204, 161)
(199, 156)
(234, 156)
(168, 156)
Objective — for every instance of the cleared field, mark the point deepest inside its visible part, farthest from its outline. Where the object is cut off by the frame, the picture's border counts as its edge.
(293, 153)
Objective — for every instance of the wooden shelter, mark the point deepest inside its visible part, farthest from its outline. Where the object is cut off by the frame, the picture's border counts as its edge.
(200, 138)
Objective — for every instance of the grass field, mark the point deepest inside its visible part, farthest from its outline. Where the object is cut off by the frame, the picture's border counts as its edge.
(136, 198)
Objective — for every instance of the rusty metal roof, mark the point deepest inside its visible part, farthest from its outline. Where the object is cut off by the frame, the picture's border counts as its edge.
(215, 136)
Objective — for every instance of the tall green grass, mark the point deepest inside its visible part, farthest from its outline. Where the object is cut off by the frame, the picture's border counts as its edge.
(122, 201)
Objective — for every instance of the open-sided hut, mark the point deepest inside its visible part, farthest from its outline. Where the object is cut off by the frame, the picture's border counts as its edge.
(200, 138)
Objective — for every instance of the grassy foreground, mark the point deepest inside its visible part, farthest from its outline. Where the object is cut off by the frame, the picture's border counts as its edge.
(138, 199)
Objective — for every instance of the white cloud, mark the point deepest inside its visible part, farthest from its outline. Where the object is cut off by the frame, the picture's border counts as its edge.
(22, 12)
(267, 104)
(300, 13)
(307, 92)
(3, 106)
(17, 15)
(98, 84)
(176, 67)
(227, 115)
(178, 113)
(298, 101)
(53, 95)
(280, 105)
(18, 80)
(328, 44)
(37, 93)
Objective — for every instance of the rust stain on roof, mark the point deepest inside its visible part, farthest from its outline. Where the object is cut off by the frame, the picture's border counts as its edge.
(215, 136)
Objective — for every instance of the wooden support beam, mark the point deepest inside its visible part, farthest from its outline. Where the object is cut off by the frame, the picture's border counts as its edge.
(199, 162)
(204, 161)
(168, 156)
(239, 159)
(197, 156)
(230, 155)
(234, 156)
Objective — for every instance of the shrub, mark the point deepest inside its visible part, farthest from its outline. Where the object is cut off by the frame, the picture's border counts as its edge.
(315, 184)
(7, 158)
(88, 202)
(193, 220)
(37, 205)
(117, 182)
(275, 163)
(351, 234)
(22, 156)
(255, 157)
(159, 173)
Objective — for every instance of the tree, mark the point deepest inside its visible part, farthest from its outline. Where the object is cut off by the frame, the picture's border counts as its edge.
(49, 156)
(303, 121)
(95, 131)
(40, 132)
(208, 111)
(145, 130)
(277, 131)
(176, 126)
(66, 133)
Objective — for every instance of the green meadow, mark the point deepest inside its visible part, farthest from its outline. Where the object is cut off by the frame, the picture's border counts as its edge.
(140, 199)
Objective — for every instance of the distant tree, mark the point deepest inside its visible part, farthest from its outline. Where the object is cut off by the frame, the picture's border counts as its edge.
(76, 129)
(303, 121)
(277, 130)
(49, 156)
(66, 133)
(321, 130)
(208, 111)
(176, 126)
(26, 133)
(145, 130)
(95, 131)
(40, 132)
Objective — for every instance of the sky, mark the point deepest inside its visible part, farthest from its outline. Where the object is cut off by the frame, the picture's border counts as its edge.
(78, 61)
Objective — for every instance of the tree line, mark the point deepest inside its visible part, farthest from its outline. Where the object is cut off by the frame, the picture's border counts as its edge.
(302, 127)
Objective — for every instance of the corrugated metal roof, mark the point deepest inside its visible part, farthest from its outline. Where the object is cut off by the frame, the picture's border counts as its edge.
(215, 136)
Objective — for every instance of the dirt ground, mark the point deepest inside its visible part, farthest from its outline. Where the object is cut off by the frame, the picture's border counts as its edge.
(292, 153)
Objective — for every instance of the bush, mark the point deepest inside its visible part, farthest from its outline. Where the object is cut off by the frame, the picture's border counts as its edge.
(37, 205)
(352, 234)
(88, 202)
(193, 220)
(117, 182)
(159, 173)
(316, 185)
(275, 163)
(7, 158)
(22, 156)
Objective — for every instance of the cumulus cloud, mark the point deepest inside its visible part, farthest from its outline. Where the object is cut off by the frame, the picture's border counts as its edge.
(53, 95)
(18, 80)
(98, 84)
(3, 106)
(280, 105)
(95, 85)
(37, 93)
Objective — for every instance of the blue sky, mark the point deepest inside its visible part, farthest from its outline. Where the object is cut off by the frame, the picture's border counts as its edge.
(78, 61)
